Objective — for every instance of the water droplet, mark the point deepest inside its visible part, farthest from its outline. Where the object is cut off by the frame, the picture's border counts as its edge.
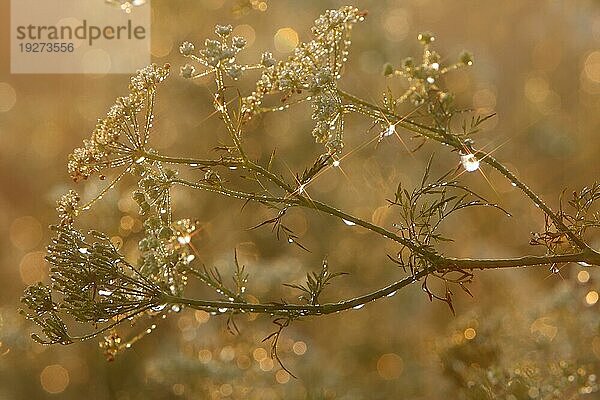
(159, 308)
(223, 309)
(193, 165)
(103, 292)
(392, 293)
(290, 240)
(554, 269)
(190, 258)
(358, 307)
(233, 167)
(140, 160)
(584, 264)
(184, 239)
(83, 250)
(301, 188)
(128, 345)
(435, 66)
(390, 130)
(513, 184)
(336, 163)
(469, 162)
(430, 79)
(349, 223)
(175, 308)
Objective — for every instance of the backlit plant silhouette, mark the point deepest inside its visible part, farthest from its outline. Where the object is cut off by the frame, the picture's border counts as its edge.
(93, 283)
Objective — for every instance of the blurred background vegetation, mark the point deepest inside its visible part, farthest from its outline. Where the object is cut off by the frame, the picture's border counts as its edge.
(525, 333)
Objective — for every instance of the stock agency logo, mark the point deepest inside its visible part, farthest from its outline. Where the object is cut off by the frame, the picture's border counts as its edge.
(79, 36)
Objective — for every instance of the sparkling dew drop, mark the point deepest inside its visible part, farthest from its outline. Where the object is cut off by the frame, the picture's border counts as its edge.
(390, 130)
(469, 162)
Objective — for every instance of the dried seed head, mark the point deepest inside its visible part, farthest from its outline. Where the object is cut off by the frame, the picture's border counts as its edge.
(121, 120)
(186, 48)
(67, 207)
(223, 30)
(187, 71)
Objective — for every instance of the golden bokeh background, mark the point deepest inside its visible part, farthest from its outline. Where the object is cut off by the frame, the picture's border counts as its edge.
(537, 64)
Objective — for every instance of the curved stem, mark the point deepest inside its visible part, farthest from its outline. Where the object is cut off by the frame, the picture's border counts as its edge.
(443, 265)
(299, 309)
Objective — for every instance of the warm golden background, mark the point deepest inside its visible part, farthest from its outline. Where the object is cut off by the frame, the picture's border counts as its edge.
(537, 65)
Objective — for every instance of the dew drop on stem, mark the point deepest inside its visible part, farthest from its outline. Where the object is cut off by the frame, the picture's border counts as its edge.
(469, 162)
(390, 130)
(159, 307)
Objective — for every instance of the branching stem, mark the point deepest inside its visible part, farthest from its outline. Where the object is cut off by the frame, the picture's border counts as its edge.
(444, 264)
(451, 140)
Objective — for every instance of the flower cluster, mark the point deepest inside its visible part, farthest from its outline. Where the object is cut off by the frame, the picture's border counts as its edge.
(96, 285)
(216, 55)
(154, 189)
(38, 298)
(166, 252)
(423, 77)
(329, 123)
(313, 67)
(111, 345)
(106, 149)
(66, 207)
(93, 278)
(424, 87)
